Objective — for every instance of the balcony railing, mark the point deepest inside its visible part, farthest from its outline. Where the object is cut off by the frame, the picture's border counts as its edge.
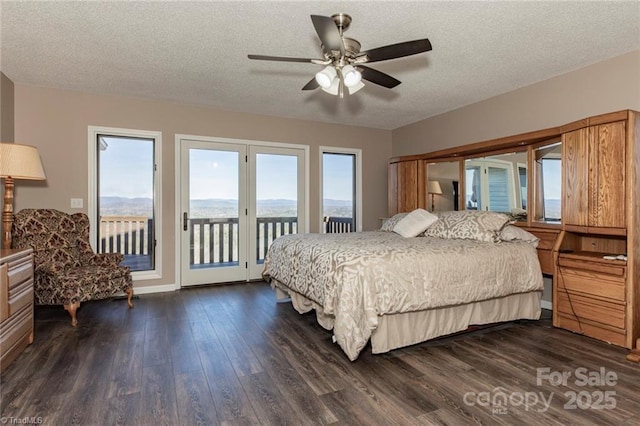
(130, 235)
(270, 228)
(213, 241)
(338, 225)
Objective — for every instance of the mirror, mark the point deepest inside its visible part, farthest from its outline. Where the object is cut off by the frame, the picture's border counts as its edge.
(547, 183)
(443, 190)
(497, 183)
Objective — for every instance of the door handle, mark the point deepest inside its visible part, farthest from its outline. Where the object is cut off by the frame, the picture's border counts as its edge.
(185, 220)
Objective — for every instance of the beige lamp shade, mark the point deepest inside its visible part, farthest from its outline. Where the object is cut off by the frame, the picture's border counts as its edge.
(20, 162)
(433, 187)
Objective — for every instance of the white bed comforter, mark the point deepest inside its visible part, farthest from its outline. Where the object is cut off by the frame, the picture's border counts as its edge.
(357, 277)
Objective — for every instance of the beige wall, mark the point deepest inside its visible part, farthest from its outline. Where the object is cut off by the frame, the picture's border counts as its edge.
(6, 109)
(56, 121)
(604, 87)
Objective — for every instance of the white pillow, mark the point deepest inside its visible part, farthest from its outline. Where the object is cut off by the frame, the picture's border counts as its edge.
(415, 223)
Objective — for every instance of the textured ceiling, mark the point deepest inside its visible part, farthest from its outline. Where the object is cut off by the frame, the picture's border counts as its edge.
(196, 52)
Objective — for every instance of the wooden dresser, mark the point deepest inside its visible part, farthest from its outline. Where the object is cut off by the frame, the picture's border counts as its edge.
(16, 303)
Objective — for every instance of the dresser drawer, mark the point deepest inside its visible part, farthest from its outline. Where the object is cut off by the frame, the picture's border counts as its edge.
(618, 271)
(21, 296)
(604, 333)
(19, 272)
(15, 328)
(600, 311)
(600, 285)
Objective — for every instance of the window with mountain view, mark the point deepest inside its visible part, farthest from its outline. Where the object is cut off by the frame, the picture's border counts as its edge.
(339, 191)
(125, 199)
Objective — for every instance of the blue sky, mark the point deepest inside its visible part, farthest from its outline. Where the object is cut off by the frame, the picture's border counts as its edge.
(126, 171)
(126, 168)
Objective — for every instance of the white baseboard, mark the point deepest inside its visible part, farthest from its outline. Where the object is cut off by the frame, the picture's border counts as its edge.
(150, 289)
(545, 304)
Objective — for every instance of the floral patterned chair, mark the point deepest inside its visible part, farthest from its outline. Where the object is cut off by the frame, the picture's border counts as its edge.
(67, 271)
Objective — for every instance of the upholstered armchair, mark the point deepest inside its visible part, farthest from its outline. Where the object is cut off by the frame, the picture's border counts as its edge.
(67, 271)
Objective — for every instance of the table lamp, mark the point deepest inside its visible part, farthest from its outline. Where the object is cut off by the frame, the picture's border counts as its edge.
(16, 162)
(433, 188)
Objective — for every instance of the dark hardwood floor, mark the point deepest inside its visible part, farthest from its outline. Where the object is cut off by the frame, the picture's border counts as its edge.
(232, 355)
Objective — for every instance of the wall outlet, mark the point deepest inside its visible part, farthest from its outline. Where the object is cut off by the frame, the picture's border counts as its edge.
(76, 203)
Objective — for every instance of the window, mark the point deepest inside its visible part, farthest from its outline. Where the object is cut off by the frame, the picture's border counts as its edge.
(551, 175)
(341, 190)
(123, 199)
(548, 183)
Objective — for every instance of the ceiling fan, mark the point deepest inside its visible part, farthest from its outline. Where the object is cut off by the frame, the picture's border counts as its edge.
(344, 61)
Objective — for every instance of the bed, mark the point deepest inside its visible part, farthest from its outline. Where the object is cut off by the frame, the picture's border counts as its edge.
(466, 268)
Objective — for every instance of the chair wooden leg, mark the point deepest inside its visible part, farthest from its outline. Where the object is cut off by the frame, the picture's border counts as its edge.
(72, 308)
(129, 296)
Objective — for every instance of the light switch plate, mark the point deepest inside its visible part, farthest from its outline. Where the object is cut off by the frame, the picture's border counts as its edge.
(76, 203)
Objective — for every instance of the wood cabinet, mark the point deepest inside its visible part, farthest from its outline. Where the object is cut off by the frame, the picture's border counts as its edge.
(548, 240)
(16, 303)
(407, 186)
(593, 294)
(594, 176)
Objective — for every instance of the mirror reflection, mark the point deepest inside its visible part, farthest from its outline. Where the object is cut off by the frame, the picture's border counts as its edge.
(442, 186)
(497, 183)
(548, 183)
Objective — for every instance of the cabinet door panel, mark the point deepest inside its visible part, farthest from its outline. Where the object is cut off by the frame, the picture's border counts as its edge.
(393, 190)
(575, 177)
(407, 184)
(411, 185)
(608, 161)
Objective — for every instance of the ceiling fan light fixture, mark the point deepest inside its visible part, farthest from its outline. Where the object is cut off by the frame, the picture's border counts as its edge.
(326, 77)
(333, 88)
(354, 89)
(351, 76)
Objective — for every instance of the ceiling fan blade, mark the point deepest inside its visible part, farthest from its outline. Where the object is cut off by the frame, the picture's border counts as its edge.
(397, 50)
(280, 58)
(378, 77)
(311, 85)
(328, 32)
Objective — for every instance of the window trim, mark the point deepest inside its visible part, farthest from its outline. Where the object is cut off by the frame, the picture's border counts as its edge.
(553, 157)
(519, 187)
(92, 199)
(358, 176)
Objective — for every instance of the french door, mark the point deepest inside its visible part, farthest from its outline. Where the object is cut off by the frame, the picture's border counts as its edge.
(236, 198)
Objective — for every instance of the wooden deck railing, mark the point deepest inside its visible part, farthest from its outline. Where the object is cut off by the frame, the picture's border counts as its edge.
(215, 240)
(126, 234)
(130, 235)
(212, 240)
(337, 225)
(270, 228)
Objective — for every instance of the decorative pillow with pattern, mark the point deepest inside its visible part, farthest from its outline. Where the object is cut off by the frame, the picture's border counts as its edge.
(391, 223)
(515, 233)
(468, 225)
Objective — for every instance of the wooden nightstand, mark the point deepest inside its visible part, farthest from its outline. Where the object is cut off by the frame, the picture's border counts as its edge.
(16, 303)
